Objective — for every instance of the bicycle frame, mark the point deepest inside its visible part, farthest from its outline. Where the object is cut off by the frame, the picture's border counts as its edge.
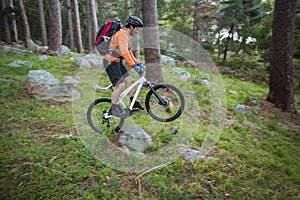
(139, 83)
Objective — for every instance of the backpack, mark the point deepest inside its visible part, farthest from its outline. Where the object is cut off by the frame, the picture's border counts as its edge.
(104, 36)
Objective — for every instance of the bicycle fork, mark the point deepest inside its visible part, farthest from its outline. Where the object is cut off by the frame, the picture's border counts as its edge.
(161, 101)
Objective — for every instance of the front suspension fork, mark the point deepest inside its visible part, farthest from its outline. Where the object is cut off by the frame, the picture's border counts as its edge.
(160, 99)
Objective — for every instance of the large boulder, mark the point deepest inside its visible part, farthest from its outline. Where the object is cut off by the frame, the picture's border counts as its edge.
(89, 61)
(44, 86)
(135, 138)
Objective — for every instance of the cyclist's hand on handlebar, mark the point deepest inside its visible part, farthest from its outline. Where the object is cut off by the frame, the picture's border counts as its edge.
(141, 65)
(139, 68)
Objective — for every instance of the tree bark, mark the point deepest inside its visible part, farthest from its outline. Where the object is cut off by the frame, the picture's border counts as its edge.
(77, 27)
(42, 22)
(281, 91)
(5, 21)
(14, 29)
(151, 42)
(196, 20)
(229, 38)
(26, 29)
(70, 25)
(55, 27)
(85, 25)
(136, 45)
(94, 22)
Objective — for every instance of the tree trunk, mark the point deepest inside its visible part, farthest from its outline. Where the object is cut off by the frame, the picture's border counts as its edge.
(5, 21)
(70, 25)
(14, 29)
(196, 20)
(227, 42)
(55, 41)
(26, 29)
(42, 22)
(281, 91)
(85, 25)
(151, 42)
(77, 27)
(136, 44)
(94, 22)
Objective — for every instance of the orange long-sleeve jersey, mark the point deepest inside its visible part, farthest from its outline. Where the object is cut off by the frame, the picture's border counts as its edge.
(121, 43)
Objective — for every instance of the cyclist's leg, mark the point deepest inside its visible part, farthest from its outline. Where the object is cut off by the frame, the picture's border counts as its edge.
(115, 75)
(129, 81)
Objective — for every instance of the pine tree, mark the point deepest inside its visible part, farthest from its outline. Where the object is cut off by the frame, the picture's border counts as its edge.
(281, 66)
(151, 42)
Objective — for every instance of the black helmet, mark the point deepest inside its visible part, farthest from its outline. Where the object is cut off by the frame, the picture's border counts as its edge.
(134, 21)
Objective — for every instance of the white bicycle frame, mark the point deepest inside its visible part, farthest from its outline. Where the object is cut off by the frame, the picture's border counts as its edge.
(139, 84)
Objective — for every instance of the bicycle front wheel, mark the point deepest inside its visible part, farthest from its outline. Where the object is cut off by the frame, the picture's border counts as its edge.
(171, 109)
(100, 121)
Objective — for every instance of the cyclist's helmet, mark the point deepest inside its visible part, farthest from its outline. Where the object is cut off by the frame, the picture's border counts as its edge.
(134, 21)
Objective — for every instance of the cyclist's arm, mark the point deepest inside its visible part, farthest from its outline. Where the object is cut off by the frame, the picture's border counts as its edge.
(124, 50)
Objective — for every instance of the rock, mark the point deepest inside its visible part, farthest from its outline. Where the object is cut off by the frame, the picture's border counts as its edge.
(18, 51)
(174, 129)
(183, 74)
(43, 57)
(33, 44)
(135, 138)
(190, 64)
(89, 61)
(167, 60)
(232, 92)
(72, 82)
(205, 83)
(65, 50)
(243, 108)
(191, 155)
(44, 86)
(20, 63)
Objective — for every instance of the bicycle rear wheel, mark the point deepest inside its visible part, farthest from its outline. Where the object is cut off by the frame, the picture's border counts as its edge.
(98, 119)
(174, 103)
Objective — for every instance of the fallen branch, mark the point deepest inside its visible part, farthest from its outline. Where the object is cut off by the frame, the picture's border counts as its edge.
(154, 168)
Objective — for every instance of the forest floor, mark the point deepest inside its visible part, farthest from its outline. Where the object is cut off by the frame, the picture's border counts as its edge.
(43, 157)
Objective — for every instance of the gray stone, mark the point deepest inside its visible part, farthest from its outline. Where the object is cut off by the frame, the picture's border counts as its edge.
(89, 61)
(65, 50)
(20, 63)
(243, 108)
(205, 83)
(71, 81)
(43, 57)
(135, 138)
(33, 44)
(44, 86)
(14, 50)
(174, 129)
(167, 60)
(192, 155)
(183, 74)
(232, 92)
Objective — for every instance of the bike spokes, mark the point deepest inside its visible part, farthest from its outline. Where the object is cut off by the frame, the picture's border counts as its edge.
(99, 118)
(165, 103)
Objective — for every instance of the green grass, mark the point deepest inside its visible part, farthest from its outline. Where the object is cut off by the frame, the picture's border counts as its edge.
(42, 157)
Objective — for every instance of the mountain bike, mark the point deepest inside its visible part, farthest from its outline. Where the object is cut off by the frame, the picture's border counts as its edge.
(163, 103)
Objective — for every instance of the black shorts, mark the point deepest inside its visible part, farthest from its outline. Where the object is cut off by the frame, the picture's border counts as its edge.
(116, 72)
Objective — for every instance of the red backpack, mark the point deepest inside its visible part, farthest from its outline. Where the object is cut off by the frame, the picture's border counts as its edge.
(104, 35)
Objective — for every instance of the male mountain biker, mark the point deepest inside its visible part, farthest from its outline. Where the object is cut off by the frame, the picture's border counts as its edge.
(115, 69)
